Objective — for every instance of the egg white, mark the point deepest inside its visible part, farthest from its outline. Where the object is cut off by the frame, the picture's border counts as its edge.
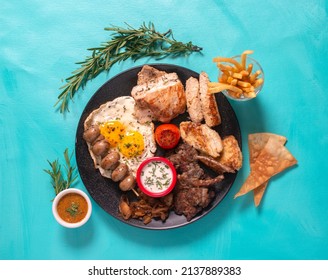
(122, 110)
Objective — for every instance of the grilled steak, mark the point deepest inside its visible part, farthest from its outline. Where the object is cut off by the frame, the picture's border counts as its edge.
(190, 202)
(193, 191)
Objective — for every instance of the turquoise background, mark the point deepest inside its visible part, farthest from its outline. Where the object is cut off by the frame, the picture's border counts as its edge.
(40, 41)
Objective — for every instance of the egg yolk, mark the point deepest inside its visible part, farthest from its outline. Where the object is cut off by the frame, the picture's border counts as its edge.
(129, 143)
(113, 131)
(132, 144)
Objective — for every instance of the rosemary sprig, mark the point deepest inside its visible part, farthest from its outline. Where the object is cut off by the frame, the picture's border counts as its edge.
(58, 182)
(124, 43)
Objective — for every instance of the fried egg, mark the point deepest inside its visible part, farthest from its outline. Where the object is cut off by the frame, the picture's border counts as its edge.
(118, 124)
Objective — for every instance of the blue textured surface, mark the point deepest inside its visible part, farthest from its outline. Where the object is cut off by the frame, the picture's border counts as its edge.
(39, 43)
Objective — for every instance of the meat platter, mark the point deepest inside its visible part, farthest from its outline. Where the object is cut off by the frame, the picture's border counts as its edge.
(104, 191)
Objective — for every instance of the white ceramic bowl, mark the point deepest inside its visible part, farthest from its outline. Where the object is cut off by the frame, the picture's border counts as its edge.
(71, 224)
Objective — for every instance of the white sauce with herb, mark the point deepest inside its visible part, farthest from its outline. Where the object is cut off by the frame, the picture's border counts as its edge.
(156, 176)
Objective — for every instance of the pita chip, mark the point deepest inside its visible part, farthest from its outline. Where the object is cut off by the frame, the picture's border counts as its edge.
(256, 143)
(259, 193)
(273, 159)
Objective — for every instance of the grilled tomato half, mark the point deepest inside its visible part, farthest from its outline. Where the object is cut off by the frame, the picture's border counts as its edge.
(167, 136)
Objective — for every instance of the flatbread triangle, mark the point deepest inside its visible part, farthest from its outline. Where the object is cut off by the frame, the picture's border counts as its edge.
(273, 159)
(256, 143)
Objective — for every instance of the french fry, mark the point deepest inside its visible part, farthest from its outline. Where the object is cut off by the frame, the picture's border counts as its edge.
(248, 89)
(223, 78)
(224, 67)
(234, 94)
(243, 58)
(229, 80)
(244, 73)
(237, 78)
(253, 77)
(258, 82)
(250, 68)
(217, 87)
(250, 94)
(229, 60)
(258, 73)
(244, 84)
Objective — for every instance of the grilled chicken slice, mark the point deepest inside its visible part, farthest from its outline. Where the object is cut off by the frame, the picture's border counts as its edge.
(202, 138)
(149, 74)
(209, 106)
(164, 97)
(194, 106)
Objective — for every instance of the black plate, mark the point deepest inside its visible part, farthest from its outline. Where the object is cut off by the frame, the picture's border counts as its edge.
(104, 191)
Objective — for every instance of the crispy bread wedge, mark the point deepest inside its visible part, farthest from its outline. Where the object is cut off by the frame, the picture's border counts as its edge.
(231, 154)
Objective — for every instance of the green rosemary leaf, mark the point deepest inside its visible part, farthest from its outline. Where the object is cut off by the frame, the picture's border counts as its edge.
(125, 43)
(58, 181)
